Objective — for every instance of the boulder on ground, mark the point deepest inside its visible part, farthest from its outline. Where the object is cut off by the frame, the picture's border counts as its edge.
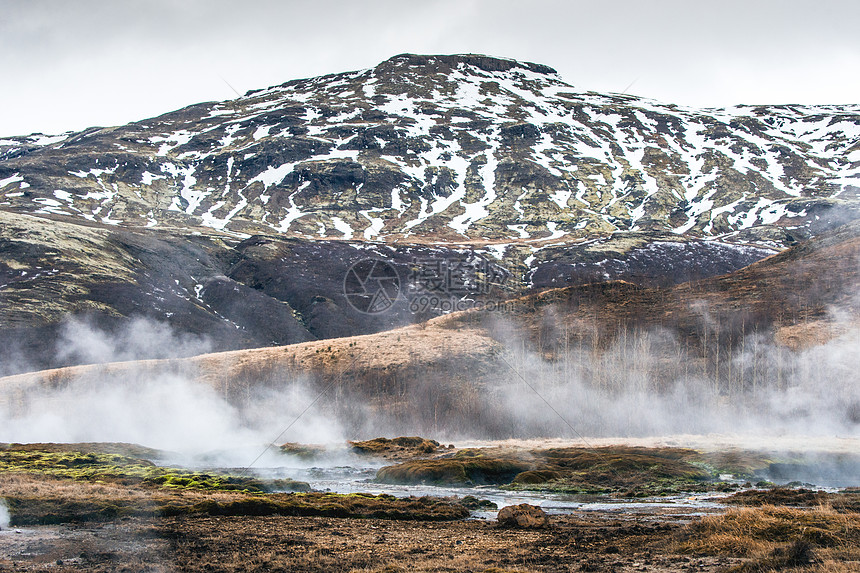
(523, 515)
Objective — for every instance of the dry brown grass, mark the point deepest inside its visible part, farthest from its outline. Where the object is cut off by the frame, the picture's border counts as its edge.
(410, 346)
(835, 567)
(812, 333)
(775, 538)
(742, 530)
(17, 485)
(843, 502)
(787, 294)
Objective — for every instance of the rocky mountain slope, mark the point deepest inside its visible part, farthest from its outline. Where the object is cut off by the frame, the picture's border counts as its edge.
(454, 149)
(240, 220)
(786, 323)
(274, 290)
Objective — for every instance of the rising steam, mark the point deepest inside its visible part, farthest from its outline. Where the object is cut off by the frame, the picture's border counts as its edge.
(141, 338)
(645, 384)
(5, 519)
(166, 408)
(647, 387)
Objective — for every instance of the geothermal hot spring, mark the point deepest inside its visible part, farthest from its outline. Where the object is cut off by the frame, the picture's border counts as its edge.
(804, 409)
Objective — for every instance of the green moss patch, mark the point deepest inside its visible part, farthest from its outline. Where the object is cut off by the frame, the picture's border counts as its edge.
(90, 466)
(412, 445)
(184, 479)
(46, 510)
(48, 485)
(450, 471)
(350, 505)
(632, 471)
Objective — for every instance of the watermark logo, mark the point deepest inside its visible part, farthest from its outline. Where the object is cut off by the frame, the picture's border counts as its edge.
(433, 285)
(455, 277)
(371, 286)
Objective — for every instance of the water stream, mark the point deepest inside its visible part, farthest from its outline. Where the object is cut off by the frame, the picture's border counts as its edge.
(360, 479)
(827, 462)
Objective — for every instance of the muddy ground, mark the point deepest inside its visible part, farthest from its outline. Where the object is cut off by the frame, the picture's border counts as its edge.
(283, 543)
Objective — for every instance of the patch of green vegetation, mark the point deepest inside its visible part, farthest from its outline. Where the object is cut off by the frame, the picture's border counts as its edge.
(630, 471)
(383, 445)
(191, 480)
(452, 471)
(533, 477)
(109, 467)
(120, 448)
(150, 490)
(626, 470)
(647, 488)
(45, 510)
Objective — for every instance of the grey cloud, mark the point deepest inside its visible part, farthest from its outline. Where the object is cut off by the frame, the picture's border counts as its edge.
(94, 62)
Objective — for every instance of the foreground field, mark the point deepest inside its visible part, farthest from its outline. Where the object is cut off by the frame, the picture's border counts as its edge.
(106, 507)
(283, 543)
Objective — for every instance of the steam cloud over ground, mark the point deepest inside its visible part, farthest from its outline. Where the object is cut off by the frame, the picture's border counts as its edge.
(4, 515)
(648, 387)
(645, 384)
(160, 408)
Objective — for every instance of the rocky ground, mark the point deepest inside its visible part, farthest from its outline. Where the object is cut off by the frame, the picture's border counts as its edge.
(284, 543)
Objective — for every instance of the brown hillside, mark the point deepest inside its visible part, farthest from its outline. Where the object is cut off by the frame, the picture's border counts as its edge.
(453, 366)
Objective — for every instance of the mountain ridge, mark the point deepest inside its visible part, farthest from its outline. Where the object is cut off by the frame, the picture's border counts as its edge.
(240, 219)
(450, 149)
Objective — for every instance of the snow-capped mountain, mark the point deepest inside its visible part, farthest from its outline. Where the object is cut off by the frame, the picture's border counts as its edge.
(452, 149)
(239, 221)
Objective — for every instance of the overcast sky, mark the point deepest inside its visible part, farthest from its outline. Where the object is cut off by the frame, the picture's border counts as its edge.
(69, 65)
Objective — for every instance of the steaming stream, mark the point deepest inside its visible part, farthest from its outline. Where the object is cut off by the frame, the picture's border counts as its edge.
(350, 479)
(827, 463)
(813, 425)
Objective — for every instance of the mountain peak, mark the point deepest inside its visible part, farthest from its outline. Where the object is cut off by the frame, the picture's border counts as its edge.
(483, 62)
(452, 148)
